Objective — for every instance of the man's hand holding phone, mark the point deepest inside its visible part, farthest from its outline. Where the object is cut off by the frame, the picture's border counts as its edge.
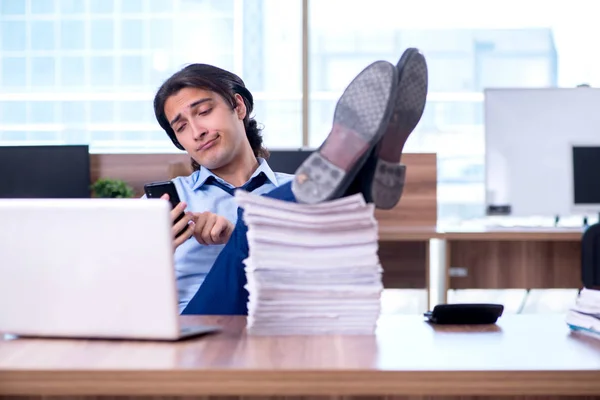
(185, 225)
(210, 228)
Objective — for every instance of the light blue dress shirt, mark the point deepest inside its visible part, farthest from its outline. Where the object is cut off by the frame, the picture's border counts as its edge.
(193, 261)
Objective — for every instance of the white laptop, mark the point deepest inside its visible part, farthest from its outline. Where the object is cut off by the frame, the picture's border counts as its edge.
(89, 268)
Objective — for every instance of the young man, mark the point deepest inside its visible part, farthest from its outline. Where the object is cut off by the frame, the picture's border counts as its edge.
(372, 121)
(206, 112)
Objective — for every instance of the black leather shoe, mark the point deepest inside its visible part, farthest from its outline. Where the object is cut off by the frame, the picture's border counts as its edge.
(381, 181)
(360, 120)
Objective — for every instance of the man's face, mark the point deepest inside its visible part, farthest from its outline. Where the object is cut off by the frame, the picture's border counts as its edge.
(208, 129)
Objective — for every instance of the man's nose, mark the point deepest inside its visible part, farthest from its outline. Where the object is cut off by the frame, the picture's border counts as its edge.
(198, 131)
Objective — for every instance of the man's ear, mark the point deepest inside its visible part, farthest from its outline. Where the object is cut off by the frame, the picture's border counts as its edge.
(240, 107)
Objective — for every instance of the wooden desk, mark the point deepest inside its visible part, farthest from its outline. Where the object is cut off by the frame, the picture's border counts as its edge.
(513, 234)
(504, 258)
(521, 356)
(404, 253)
(493, 258)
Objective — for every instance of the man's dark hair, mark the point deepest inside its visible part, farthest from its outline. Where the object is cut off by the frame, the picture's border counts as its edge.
(219, 81)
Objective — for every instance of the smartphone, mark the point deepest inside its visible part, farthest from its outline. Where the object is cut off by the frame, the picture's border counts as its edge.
(155, 190)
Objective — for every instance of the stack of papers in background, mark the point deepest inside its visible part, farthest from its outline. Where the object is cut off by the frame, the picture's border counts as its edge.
(311, 269)
(585, 315)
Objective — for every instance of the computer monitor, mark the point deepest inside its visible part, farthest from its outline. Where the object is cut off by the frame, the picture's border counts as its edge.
(287, 161)
(45, 171)
(585, 178)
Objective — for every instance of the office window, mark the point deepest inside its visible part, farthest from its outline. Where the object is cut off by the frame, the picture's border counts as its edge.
(132, 112)
(279, 121)
(42, 112)
(13, 137)
(102, 34)
(160, 6)
(13, 73)
(102, 112)
(73, 112)
(72, 72)
(103, 60)
(12, 7)
(531, 70)
(103, 138)
(72, 35)
(44, 136)
(13, 112)
(42, 35)
(161, 34)
(460, 65)
(131, 6)
(132, 34)
(73, 6)
(102, 71)
(463, 57)
(42, 72)
(42, 6)
(132, 71)
(102, 6)
(131, 138)
(159, 71)
(13, 35)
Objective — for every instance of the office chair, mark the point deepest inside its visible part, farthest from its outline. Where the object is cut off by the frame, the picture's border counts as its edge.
(590, 257)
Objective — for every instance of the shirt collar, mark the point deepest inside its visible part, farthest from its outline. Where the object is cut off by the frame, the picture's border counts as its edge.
(204, 173)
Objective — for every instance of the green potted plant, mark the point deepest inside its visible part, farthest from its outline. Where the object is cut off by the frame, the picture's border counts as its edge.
(112, 188)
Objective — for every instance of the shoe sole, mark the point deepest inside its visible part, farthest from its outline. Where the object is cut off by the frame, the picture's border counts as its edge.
(359, 122)
(389, 178)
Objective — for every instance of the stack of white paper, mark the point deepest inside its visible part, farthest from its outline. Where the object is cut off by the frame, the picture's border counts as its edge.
(585, 314)
(311, 269)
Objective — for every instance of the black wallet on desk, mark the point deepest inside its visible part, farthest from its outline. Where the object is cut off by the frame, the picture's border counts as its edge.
(465, 314)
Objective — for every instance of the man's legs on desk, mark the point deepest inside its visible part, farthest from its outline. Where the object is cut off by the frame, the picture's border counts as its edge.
(351, 160)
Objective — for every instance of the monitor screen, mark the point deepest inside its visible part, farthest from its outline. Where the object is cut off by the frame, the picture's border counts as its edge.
(45, 172)
(586, 174)
(287, 161)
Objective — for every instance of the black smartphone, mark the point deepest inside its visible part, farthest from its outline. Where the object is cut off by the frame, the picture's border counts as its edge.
(155, 190)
